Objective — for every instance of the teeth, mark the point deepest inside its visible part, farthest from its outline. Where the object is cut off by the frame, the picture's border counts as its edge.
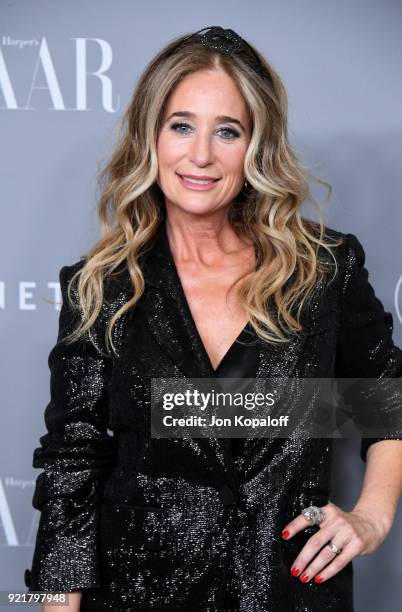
(197, 182)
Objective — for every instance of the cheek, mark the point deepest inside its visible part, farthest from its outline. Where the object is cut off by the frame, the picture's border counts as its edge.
(166, 151)
(233, 160)
(161, 154)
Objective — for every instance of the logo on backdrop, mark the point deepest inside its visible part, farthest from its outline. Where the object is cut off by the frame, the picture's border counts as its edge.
(8, 529)
(49, 74)
(27, 296)
(398, 299)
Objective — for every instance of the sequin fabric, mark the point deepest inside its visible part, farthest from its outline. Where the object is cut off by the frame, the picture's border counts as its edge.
(227, 42)
(220, 39)
(138, 523)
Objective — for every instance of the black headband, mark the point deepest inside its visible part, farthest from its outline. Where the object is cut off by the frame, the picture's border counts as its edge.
(226, 41)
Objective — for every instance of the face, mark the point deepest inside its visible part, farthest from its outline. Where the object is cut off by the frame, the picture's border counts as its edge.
(205, 133)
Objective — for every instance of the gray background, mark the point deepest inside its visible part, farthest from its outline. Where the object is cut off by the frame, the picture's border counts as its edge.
(341, 63)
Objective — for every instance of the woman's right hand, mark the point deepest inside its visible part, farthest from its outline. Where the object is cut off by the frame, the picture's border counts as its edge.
(74, 604)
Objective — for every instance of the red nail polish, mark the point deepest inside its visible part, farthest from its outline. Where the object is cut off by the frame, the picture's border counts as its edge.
(285, 534)
(295, 571)
(318, 579)
(304, 577)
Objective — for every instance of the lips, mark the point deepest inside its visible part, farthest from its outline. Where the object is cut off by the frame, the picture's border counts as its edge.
(197, 184)
(197, 178)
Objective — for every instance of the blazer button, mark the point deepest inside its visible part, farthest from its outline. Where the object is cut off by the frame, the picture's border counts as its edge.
(226, 495)
(27, 577)
(153, 544)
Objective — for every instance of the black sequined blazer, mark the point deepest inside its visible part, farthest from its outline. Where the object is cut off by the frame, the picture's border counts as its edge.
(139, 523)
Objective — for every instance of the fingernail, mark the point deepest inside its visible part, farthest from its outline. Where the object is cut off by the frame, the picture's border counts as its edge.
(295, 571)
(304, 577)
(318, 579)
(285, 534)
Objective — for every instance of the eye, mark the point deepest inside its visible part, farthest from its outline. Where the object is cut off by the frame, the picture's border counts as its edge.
(175, 127)
(231, 131)
(178, 127)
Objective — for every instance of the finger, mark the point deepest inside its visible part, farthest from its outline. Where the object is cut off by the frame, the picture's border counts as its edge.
(323, 559)
(301, 522)
(336, 565)
(311, 548)
(350, 550)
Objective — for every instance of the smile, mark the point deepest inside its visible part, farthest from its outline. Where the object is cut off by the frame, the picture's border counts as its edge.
(198, 184)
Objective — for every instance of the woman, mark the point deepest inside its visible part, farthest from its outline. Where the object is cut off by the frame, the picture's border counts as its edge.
(203, 248)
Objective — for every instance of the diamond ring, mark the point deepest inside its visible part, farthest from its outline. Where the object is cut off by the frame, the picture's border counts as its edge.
(314, 514)
(334, 548)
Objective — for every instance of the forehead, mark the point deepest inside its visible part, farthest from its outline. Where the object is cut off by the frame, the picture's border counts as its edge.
(205, 91)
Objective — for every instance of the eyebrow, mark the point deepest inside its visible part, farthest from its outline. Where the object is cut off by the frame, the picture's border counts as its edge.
(219, 118)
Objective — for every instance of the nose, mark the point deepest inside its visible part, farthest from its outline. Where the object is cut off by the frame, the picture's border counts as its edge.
(201, 149)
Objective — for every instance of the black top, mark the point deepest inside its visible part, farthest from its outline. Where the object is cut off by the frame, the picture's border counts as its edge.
(240, 361)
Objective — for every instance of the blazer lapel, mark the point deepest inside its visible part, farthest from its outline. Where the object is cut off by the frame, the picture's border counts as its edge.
(165, 310)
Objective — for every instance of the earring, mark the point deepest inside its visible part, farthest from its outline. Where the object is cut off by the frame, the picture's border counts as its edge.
(245, 184)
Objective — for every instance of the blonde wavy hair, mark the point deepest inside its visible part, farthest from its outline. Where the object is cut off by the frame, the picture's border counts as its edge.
(267, 212)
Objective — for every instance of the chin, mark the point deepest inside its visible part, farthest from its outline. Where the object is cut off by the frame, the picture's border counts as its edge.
(198, 208)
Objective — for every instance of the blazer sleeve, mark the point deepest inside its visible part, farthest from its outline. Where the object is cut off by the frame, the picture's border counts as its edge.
(365, 346)
(76, 454)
